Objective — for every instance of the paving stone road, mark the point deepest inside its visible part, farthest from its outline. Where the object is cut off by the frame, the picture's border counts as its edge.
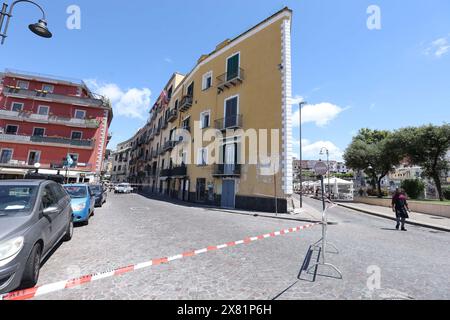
(131, 229)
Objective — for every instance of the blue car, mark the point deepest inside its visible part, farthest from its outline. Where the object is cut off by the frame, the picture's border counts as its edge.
(82, 201)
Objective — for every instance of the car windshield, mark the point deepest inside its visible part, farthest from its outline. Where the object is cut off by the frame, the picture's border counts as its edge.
(76, 192)
(16, 199)
(124, 185)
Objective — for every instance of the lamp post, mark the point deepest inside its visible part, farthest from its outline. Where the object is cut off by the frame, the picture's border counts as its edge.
(39, 28)
(328, 165)
(301, 104)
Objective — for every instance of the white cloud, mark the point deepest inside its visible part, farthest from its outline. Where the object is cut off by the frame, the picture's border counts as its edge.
(321, 114)
(131, 103)
(439, 47)
(311, 150)
(168, 60)
(297, 99)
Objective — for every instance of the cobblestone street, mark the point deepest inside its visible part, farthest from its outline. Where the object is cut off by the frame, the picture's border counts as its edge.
(132, 229)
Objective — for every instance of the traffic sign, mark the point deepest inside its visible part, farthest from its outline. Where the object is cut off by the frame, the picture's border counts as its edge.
(320, 168)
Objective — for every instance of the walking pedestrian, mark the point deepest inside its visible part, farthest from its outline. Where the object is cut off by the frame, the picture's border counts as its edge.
(401, 209)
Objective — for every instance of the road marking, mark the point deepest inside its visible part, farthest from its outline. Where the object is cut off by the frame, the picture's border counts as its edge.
(68, 284)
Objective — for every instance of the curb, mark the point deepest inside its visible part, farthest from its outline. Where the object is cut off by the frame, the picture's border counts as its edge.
(411, 222)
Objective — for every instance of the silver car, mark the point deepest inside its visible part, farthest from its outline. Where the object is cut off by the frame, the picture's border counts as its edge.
(35, 215)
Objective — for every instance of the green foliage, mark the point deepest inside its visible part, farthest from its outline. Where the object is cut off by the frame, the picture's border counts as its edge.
(375, 153)
(344, 175)
(426, 147)
(413, 188)
(446, 193)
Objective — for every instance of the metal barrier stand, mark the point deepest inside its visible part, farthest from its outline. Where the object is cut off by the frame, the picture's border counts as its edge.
(322, 244)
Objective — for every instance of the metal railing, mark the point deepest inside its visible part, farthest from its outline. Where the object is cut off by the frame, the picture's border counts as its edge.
(98, 101)
(186, 102)
(227, 170)
(230, 122)
(34, 117)
(179, 171)
(40, 139)
(230, 79)
(172, 116)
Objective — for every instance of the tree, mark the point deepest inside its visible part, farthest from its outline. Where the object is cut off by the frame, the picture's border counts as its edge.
(413, 187)
(375, 153)
(427, 147)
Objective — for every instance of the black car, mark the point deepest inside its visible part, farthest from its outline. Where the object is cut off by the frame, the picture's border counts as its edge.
(35, 215)
(100, 193)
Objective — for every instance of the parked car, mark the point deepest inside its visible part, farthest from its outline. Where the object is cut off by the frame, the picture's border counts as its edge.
(35, 215)
(123, 188)
(83, 202)
(100, 194)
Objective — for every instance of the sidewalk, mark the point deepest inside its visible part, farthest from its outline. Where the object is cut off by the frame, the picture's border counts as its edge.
(419, 219)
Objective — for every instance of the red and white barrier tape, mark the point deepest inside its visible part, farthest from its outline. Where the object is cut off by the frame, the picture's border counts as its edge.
(62, 285)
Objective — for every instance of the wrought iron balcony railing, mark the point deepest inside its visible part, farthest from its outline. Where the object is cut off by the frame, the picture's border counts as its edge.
(179, 171)
(230, 122)
(230, 79)
(38, 118)
(44, 140)
(227, 170)
(172, 116)
(186, 103)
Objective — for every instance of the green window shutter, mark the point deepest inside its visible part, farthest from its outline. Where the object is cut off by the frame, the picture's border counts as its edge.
(233, 67)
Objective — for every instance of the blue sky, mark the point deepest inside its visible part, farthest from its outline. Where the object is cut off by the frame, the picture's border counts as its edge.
(353, 77)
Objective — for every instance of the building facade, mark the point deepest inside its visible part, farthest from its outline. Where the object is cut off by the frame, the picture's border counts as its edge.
(243, 85)
(120, 162)
(46, 120)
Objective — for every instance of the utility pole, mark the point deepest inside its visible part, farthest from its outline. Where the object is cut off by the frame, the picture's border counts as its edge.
(301, 104)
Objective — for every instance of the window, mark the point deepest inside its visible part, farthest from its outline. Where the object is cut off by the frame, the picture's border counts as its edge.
(205, 119)
(34, 157)
(186, 124)
(43, 110)
(17, 106)
(6, 155)
(115, 168)
(77, 135)
(38, 132)
(49, 199)
(80, 114)
(169, 93)
(233, 63)
(207, 80)
(48, 88)
(202, 157)
(12, 129)
(190, 90)
(176, 105)
(23, 84)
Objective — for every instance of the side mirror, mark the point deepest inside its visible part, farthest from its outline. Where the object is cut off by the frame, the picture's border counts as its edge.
(50, 210)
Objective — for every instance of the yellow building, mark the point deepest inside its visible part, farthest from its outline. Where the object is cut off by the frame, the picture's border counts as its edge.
(243, 85)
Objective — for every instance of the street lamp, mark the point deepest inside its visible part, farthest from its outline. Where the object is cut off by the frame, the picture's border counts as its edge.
(39, 28)
(301, 104)
(328, 165)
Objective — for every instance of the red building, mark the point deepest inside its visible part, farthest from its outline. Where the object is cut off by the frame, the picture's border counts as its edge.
(44, 120)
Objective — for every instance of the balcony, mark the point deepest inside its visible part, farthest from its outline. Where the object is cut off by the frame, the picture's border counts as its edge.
(227, 170)
(169, 145)
(164, 124)
(186, 103)
(165, 173)
(228, 80)
(231, 122)
(179, 171)
(83, 144)
(173, 114)
(154, 154)
(95, 101)
(51, 119)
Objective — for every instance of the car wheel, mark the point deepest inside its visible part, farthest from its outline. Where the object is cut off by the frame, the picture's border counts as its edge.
(31, 273)
(69, 232)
